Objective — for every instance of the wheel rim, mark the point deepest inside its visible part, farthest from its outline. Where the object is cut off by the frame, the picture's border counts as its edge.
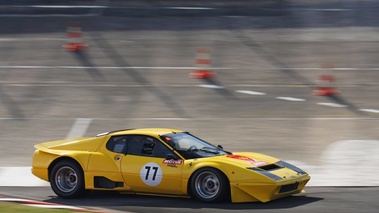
(207, 185)
(66, 179)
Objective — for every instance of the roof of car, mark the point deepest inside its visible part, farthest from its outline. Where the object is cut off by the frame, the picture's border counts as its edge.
(147, 131)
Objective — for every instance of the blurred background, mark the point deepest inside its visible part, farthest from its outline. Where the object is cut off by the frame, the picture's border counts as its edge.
(295, 79)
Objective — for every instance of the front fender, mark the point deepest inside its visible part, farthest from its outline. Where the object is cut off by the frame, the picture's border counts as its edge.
(235, 174)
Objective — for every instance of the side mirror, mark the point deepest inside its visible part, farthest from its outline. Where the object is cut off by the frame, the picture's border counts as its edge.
(220, 147)
(170, 157)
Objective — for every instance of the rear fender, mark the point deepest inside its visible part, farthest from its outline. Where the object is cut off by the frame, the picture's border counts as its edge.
(44, 161)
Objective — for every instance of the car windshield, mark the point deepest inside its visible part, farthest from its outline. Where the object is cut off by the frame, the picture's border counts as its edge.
(191, 147)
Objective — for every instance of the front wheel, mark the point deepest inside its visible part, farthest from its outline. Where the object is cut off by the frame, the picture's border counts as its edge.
(67, 180)
(210, 185)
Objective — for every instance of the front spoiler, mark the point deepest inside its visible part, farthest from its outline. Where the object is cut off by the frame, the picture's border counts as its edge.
(256, 192)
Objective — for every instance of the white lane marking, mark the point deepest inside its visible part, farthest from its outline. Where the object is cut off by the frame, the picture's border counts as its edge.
(16, 199)
(46, 15)
(328, 9)
(370, 110)
(170, 68)
(190, 8)
(105, 67)
(66, 6)
(79, 128)
(346, 163)
(32, 39)
(249, 92)
(290, 99)
(51, 206)
(209, 119)
(104, 7)
(19, 176)
(332, 104)
(100, 6)
(316, 68)
(90, 14)
(212, 86)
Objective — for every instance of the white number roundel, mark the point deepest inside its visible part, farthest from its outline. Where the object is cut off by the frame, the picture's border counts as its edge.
(151, 174)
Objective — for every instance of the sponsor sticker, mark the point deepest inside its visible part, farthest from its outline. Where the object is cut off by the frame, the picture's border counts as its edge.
(173, 162)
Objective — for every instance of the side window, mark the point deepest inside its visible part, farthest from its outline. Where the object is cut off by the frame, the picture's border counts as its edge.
(147, 146)
(154, 148)
(135, 144)
(161, 151)
(117, 144)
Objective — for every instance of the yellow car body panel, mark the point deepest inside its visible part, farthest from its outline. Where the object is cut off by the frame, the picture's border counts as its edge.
(43, 160)
(246, 187)
(83, 144)
(251, 176)
(46, 153)
(170, 175)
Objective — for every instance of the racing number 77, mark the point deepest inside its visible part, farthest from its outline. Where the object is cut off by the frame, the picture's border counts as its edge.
(148, 168)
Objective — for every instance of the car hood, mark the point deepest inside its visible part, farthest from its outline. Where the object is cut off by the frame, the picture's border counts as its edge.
(77, 144)
(247, 159)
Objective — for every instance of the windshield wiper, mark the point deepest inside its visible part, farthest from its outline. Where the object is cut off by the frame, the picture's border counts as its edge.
(210, 150)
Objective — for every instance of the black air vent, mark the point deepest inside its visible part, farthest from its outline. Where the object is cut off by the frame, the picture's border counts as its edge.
(289, 187)
(103, 182)
(270, 167)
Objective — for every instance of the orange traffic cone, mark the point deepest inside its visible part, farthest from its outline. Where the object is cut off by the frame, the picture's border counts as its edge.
(325, 87)
(203, 62)
(74, 38)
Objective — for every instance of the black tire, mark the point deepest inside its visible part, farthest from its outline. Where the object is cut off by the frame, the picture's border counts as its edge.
(67, 179)
(210, 185)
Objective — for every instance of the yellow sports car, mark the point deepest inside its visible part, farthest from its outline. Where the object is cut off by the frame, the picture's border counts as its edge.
(166, 162)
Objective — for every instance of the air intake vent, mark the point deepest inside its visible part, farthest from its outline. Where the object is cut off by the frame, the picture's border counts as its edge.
(270, 167)
(289, 187)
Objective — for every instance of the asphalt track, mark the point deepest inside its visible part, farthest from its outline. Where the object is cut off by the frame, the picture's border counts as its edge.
(316, 199)
(135, 74)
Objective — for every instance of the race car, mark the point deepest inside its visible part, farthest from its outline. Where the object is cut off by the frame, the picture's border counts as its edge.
(165, 162)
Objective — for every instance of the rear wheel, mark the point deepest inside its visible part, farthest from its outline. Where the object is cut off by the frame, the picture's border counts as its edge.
(210, 185)
(67, 179)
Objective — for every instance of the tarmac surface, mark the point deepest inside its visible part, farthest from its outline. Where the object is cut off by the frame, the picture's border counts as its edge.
(135, 73)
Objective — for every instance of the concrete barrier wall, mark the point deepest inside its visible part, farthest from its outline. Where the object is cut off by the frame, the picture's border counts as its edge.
(146, 7)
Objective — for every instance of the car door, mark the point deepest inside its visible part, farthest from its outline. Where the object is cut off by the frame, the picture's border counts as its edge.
(146, 169)
(104, 166)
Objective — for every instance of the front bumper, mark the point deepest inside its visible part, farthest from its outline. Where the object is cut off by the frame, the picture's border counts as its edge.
(253, 192)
